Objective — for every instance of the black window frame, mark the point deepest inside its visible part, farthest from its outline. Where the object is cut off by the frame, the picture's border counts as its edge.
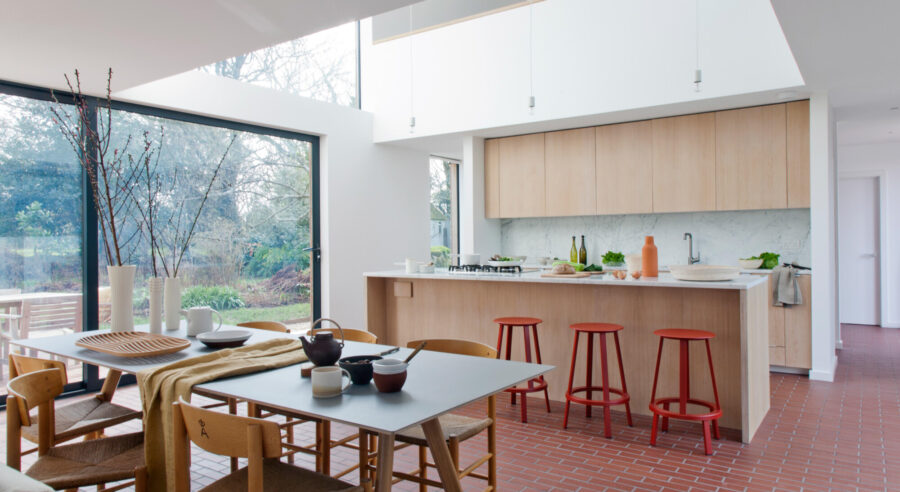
(91, 381)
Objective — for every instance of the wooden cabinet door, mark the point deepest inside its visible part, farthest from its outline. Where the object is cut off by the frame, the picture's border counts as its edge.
(776, 320)
(684, 163)
(798, 328)
(625, 168)
(751, 169)
(798, 154)
(522, 176)
(570, 172)
(491, 179)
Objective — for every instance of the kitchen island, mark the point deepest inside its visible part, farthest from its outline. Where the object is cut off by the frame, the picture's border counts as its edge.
(402, 307)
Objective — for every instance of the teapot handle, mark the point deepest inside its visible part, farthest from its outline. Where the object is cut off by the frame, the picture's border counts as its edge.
(312, 328)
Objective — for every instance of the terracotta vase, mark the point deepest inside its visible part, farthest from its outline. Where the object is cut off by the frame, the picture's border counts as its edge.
(649, 258)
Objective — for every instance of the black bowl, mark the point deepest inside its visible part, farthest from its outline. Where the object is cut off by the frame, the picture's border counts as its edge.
(360, 372)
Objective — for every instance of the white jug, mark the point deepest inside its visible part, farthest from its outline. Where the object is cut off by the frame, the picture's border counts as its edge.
(199, 320)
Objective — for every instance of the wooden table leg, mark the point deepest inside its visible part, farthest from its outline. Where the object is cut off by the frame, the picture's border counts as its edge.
(109, 385)
(384, 471)
(441, 454)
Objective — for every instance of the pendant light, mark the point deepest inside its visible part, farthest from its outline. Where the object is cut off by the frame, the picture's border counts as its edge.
(531, 100)
(698, 73)
(412, 117)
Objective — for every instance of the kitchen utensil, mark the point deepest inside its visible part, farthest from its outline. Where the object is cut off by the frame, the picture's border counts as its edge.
(705, 273)
(389, 375)
(359, 367)
(416, 351)
(469, 259)
(750, 264)
(412, 266)
(199, 320)
(389, 351)
(327, 381)
(224, 339)
(323, 349)
(425, 268)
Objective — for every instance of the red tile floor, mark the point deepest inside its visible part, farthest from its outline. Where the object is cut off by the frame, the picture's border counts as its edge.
(817, 436)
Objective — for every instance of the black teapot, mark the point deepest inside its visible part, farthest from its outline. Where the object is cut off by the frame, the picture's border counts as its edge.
(322, 349)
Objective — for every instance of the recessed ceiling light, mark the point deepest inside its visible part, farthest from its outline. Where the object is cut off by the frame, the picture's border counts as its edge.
(895, 108)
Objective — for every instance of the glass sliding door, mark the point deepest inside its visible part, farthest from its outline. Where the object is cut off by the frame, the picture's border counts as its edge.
(40, 229)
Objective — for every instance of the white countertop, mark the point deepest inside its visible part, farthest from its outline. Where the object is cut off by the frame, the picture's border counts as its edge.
(743, 282)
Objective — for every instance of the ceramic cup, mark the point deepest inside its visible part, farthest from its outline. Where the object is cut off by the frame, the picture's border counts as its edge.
(199, 320)
(328, 381)
(389, 375)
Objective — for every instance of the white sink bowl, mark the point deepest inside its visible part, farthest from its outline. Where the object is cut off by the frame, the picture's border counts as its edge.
(705, 273)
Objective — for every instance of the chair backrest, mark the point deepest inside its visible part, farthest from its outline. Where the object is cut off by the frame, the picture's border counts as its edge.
(34, 389)
(349, 334)
(222, 434)
(51, 314)
(454, 346)
(22, 364)
(265, 325)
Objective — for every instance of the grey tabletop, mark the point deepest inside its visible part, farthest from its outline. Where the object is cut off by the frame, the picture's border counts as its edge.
(437, 383)
(64, 346)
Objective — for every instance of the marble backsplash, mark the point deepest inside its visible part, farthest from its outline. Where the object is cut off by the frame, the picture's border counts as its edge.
(721, 237)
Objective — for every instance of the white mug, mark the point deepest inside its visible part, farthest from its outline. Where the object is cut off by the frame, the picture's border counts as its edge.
(199, 320)
(326, 381)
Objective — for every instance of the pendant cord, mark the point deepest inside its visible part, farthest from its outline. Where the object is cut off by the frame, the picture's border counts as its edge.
(412, 117)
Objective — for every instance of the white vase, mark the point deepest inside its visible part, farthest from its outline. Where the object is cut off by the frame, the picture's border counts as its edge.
(172, 303)
(121, 295)
(156, 304)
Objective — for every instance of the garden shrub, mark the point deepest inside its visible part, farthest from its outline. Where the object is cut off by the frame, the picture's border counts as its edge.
(216, 297)
(441, 256)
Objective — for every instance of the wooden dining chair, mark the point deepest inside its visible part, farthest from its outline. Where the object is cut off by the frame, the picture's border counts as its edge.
(87, 417)
(94, 462)
(266, 325)
(257, 440)
(456, 428)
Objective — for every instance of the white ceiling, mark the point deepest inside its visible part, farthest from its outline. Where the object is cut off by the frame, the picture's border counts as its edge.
(849, 48)
(40, 41)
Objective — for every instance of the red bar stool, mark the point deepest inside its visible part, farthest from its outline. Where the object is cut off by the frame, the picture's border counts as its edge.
(601, 329)
(684, 338)
(536, 384)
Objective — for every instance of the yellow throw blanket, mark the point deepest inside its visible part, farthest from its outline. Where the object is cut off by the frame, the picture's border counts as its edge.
(162, 386)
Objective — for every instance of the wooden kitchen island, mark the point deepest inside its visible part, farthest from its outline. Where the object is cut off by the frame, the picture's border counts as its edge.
(402, 307)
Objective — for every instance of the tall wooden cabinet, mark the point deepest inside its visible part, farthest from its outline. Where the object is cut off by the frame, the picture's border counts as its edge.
(797, 154)
(522, 176)
(492, 179)
(751, 169)
(790, 329)
(570, 172)
(684, 163)
(624, 168)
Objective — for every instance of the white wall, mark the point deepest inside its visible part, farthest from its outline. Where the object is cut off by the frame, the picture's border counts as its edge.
(477, 234)
(374, 198)
(823, 217)
(590, 57)
(881, 158)
(720, 237)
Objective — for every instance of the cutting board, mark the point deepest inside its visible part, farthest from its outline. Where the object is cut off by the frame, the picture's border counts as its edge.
(566, 275)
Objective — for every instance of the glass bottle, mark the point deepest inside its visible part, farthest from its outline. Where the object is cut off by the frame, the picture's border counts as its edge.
(582, 253)
(573, 253)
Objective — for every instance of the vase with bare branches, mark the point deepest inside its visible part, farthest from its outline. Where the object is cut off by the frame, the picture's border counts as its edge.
(111, 172)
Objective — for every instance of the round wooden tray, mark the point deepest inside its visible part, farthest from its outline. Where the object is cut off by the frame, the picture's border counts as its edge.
(133, 344)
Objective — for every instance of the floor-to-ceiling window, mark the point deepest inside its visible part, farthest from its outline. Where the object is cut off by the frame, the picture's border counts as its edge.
(444, 210)
(249, 254)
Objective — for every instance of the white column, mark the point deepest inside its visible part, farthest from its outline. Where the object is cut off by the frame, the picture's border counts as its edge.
(823, 238)
(476, 234)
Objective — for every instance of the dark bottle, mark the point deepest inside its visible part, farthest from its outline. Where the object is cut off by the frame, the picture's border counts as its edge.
(573, 253)
(582, 253)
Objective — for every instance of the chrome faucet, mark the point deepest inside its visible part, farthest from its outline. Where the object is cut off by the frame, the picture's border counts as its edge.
(691, 259)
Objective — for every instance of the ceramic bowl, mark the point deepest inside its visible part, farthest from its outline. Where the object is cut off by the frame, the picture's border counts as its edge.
(750, 264)
(389, 375)
(360, 372)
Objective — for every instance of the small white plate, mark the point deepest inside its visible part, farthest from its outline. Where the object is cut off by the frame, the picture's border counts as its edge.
(224, 338)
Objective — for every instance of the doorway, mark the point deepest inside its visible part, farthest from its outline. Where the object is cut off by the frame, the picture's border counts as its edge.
(859, 249)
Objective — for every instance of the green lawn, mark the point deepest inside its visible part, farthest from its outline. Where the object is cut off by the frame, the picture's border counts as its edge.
(234, 316)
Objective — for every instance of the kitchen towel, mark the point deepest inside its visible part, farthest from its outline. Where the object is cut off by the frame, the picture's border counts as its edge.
(161, 387)
(785, 288)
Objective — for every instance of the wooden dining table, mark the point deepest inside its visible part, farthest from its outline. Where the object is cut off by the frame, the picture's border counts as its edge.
(437, 383)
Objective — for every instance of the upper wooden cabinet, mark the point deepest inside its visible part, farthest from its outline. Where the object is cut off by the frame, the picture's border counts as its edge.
(492, 179)
(797, 154)
(684, 163)
(522, 176)
(751, 170)
(742, 159)
(570, 172)
(624, 168)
